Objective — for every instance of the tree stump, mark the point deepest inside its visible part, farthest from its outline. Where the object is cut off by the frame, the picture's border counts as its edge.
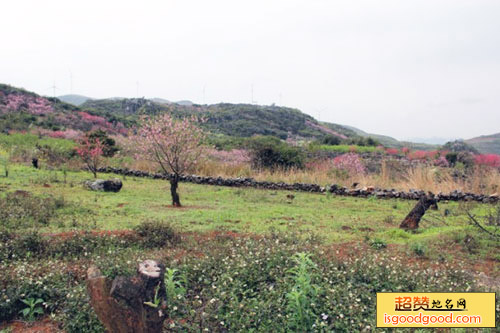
(412, 220)
(130, 304)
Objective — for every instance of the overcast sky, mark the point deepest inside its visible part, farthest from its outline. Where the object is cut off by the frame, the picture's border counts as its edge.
(405, 68)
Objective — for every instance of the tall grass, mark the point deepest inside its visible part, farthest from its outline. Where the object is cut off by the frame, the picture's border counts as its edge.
(422, 177)
(481, 179)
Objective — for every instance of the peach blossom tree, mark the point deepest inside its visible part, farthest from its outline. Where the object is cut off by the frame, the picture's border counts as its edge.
(90, 151)
(175, 145)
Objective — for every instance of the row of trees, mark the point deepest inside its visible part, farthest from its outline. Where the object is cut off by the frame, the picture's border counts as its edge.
(333, 140)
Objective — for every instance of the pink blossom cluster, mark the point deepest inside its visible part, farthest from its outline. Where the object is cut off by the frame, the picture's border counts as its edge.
(90, 152)
(66, 134)
(232, 157)
(441, 161)
(417, 155)
(491, 160)
(349, 162)
(33, 104)
(97, 120)
(425, 155)
(392, 151)
(88, 149)
(433, 154)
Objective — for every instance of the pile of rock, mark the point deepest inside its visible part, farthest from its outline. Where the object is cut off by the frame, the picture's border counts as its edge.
(456, 195)
(314, 188)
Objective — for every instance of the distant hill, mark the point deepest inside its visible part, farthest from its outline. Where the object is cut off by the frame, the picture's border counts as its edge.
(392, 142)
(185, 102)
(74, 99)
(431, 140)
(160, 100)
(486, 144)
(240, 120)
(22, 110)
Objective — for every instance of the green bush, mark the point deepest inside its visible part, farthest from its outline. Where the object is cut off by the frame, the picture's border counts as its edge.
(156, 234)
(331, 140)
(109, 145)
(452, 157)
(418, 249)
(271, 153)
(378, 244)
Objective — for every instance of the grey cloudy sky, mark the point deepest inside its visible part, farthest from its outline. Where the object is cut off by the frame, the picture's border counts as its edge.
(405, 68)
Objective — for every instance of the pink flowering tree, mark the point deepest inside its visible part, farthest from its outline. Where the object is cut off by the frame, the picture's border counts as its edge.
(175, 145)
(350, 162)
(392, 151)
(491, 160)
(418, 155)
(90, 151)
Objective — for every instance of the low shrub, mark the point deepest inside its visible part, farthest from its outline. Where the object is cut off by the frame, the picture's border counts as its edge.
(331, 140)
(378, 244)
(418, 249)
(156, 234)
(16, 246)
(19, 246)
(271, 153)
(22, 209)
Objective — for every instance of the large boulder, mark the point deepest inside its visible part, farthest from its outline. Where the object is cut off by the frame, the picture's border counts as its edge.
(109, 185)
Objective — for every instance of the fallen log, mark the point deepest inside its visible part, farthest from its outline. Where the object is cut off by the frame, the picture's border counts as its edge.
(130, 304)
(412, 220)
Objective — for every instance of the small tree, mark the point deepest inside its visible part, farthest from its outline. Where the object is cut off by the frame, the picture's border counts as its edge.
(109, 148)
(91, 151)
(175, 145)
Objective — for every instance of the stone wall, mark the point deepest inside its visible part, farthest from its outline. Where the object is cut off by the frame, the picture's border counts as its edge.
(313, 188)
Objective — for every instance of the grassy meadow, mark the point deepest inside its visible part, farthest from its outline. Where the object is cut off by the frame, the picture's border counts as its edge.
(243, 210)
(233, 253)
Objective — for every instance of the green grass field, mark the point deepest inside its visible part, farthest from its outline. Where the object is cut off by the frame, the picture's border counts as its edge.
(243, 270)
(30, 141)
(244, 210)
(347, 148)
